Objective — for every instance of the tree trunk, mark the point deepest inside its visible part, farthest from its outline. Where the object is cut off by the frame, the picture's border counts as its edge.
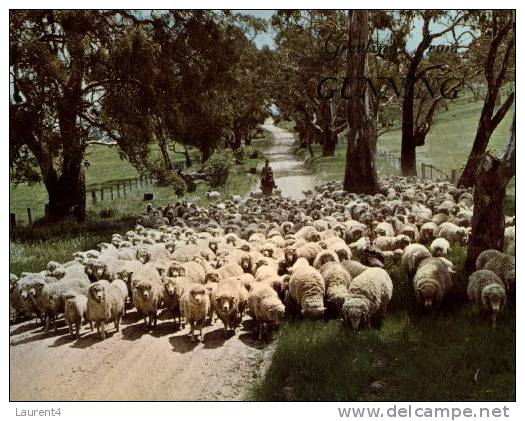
(488, 221)
(205, 151)
(360, 173)
(329, 143)
(408, 147)
(187, 156)
(67, 196)
(165, 154)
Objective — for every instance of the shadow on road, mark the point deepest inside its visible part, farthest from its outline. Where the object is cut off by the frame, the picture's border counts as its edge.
(182, 344)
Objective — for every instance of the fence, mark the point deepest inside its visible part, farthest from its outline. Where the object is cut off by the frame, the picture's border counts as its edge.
(109, 191)
(425, 171)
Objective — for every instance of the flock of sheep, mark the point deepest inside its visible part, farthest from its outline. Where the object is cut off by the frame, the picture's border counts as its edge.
(327, 255)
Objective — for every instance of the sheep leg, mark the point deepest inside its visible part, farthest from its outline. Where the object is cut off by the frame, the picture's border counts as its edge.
(54, 324)
(155, 319)
(259, 329)
(77, 326)
(70, 327)
(200, 329)
(103, 329)
(146, 322)
(117, 323)
(48, 322)
(91, 325)
(192, 330)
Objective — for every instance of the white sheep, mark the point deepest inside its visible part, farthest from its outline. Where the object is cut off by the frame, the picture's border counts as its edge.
(453, 233)
(191, 270)
(485, 256)
(439, 247)
(432, 282)
(504, 266)
(324, 257)
(265, 307)
(147, 293)
(213, 196)
(412, 257)
(368, 296)
(229, 301)
(75, 311)
(174, 289)
(487, 290)
(306, 288)
(427, 232)
(196, 307)
(105, 304)
(336, 279)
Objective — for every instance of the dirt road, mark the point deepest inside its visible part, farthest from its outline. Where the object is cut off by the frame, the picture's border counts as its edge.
(289, 173)
(157, 365)
(134, 364)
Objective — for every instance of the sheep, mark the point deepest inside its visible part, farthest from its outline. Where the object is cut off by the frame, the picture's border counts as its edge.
(412, 257)
(229, 301)
(336, 279)
(354, 268)
(385, 243)
(105, 304)
(145, 254)
(368, 296)
(309, 251)
(487, 290)
(195, 308)
(384, 229)
(509, 241)
(324, 257)
(227, 271)
(213, 196)
(147, 293)
(265, 307)
(431, 282)
(48, 296)
(306, 288)
(427, 232)
(504, 266)
(174, 289)
(453, 233)
(439, 247)
(75, 311)
(191, 270)
(485, 256)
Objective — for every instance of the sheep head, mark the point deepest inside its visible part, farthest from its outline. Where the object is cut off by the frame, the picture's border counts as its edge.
(143, 255)
(97, 292)
(356, 310)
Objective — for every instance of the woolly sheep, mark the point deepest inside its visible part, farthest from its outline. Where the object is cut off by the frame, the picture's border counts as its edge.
(412, 257)
(191, 270)
(147, 293)
(432, 282)
(324, 257)
(485, 256)
(306, 288)
(504, 266)
(196, 306)
(227, 271)
(453, 233)
(174, 289)
(75, 311)
(368, 296)
(428, 232)
(487, 290)
(213, 196)
(336, 279)
(105, 304)
(385, 243)
(439, 247)
(229, 301)
(265, 307)
(354, 268)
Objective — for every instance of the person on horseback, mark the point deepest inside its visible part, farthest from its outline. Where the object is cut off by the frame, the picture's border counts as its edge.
(267, 181)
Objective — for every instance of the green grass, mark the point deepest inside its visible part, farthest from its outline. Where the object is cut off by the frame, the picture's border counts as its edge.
(420, 357)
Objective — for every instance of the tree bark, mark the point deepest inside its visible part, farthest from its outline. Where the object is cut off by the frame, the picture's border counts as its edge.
(488, 221)
(187, 156)
(360, 173)
(329, 143)
(165, 153)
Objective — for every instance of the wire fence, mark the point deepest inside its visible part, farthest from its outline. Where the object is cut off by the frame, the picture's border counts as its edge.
(424, 171)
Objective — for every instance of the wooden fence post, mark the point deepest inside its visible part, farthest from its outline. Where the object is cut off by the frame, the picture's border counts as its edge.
(124, 188)
(94, 197)
(29, 218)
(423, 170)
(101, 195)
(112, 196)
(118, 191)
(430, 166)
(12, 221)
(453, 176)
(130, 186)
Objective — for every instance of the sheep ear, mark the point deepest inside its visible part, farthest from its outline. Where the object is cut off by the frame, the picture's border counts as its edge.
(302, 312)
